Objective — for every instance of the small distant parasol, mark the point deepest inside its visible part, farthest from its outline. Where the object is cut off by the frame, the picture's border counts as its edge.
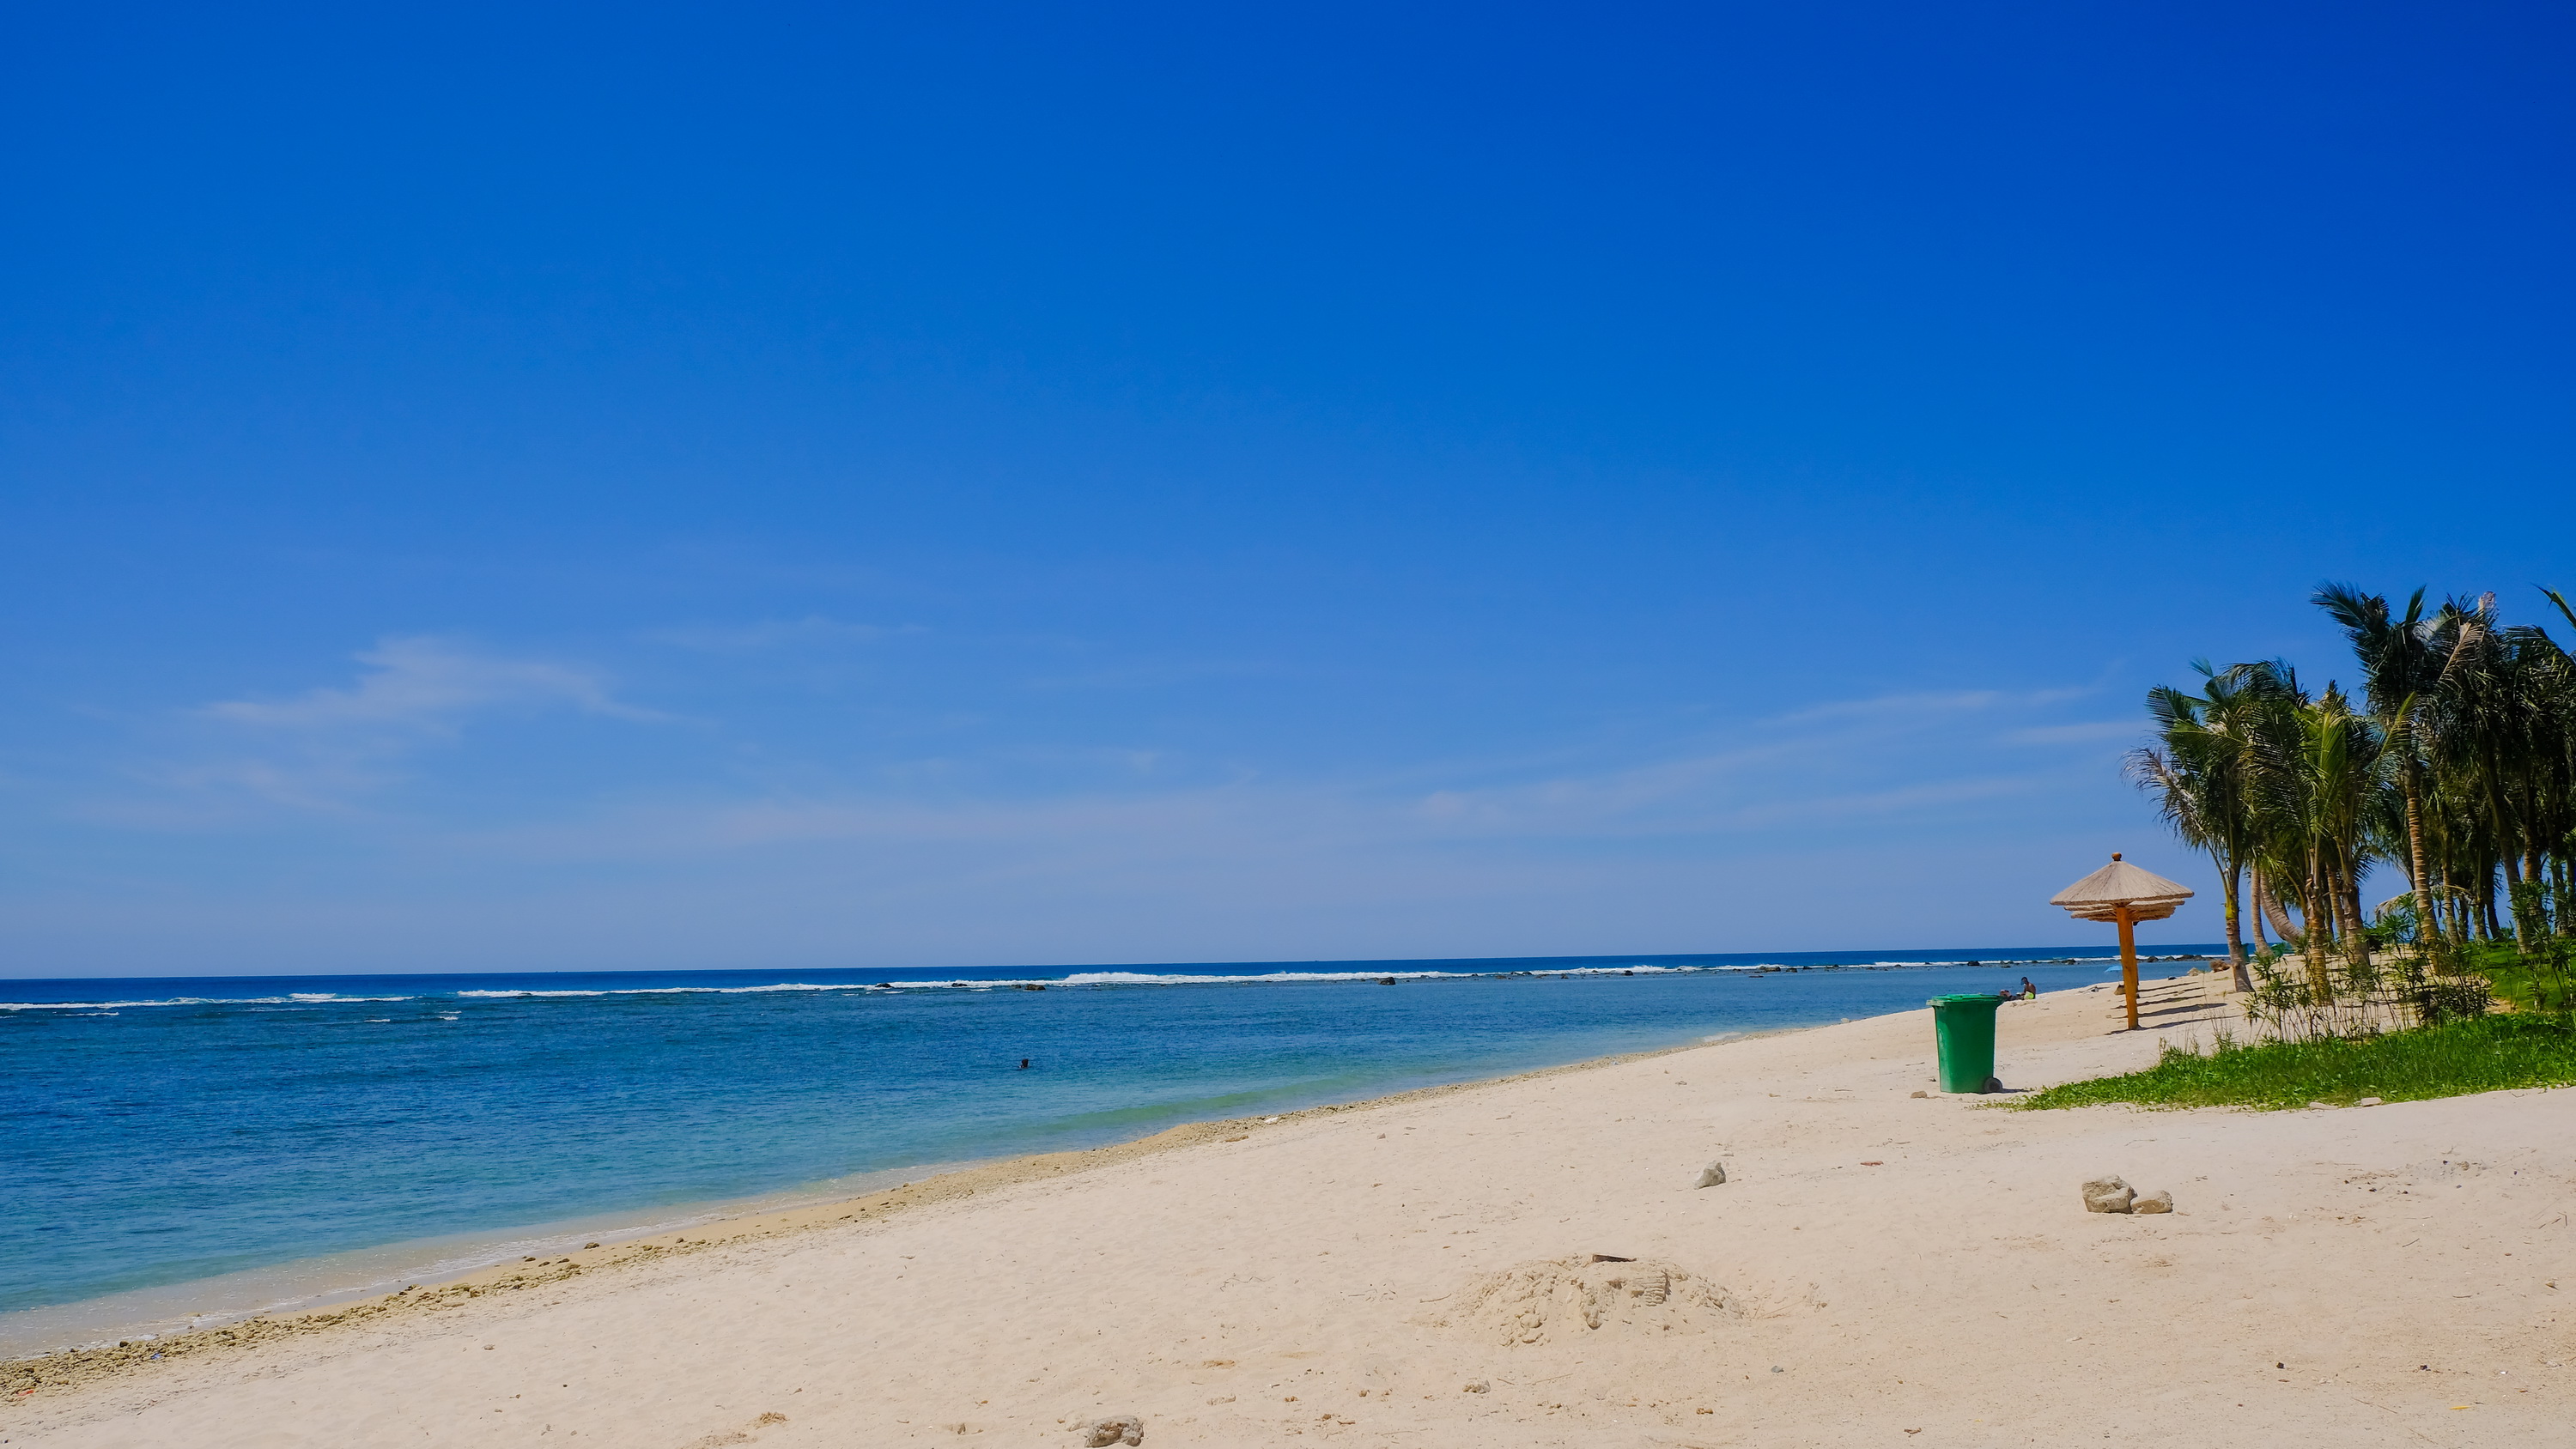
(2122, 892)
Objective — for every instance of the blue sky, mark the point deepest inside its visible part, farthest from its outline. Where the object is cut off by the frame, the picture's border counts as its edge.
(778, 486)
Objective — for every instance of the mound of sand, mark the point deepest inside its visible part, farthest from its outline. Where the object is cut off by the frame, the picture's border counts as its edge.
(1556, 1299)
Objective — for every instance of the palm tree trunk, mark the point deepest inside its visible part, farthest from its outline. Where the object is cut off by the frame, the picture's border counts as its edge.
(2254, 883)
(2416, 871)
(2280, 918)
(2316, 914)
(2235, 932)
(2359, 940)
(2504, 829)
(2533, 872)
(2345, 931)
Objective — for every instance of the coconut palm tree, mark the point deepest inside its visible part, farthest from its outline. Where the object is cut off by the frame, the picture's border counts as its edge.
(2270, 702)
(2198, 773)
(2474, 737)
(2402, 659)
(2322, 792)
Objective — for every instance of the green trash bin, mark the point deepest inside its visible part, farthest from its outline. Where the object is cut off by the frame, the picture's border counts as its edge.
(1965, 1027)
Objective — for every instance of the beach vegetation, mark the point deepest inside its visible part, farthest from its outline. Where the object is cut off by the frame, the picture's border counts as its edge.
(2482, 1053)
(2453, 761)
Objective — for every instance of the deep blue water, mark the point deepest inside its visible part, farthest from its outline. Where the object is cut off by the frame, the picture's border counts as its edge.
(159, 1131)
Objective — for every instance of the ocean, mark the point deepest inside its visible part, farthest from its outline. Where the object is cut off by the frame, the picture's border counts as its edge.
(186, 1151)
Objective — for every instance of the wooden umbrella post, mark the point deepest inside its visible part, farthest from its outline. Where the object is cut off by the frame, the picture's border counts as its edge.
(2129, 961)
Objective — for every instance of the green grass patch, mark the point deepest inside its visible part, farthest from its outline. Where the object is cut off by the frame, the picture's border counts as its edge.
(2540, 983)
(2486, 1054)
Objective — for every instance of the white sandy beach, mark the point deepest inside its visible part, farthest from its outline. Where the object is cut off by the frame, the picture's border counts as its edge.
(1880, 1269)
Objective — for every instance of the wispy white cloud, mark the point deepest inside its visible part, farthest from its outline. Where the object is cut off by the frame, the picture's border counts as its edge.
(1690, 799)
(330, 747)
(1928, 707)
(1599, 797)
(2076, 734)
(1917, 706)
(1865, 804)
(427, 684)
(1174, 827)
(1879, 756)
(1883, 761)
(812, 631)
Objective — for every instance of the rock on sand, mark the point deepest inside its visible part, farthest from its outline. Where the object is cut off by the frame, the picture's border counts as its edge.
(2108, 1195)
(1116, 1429)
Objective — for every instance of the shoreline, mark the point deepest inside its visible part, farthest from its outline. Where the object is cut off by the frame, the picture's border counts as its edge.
(87, 1363)
(723, 1221)
(120, 1261)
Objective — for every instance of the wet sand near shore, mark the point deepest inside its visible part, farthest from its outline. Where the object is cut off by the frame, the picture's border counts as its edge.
(1879, 1268)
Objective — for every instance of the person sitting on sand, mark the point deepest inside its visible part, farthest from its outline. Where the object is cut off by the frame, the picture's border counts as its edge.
(2028, 991)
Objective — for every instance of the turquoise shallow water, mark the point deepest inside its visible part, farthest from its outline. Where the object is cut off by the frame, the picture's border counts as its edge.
(166, 1132)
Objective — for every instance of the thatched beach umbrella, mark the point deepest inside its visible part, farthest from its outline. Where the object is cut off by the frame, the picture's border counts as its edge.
(2121, 892)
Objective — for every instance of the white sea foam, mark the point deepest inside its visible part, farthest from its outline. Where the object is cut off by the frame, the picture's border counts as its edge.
(1150, 978)
(308, 999)
(1180, 978)
(724, 990)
